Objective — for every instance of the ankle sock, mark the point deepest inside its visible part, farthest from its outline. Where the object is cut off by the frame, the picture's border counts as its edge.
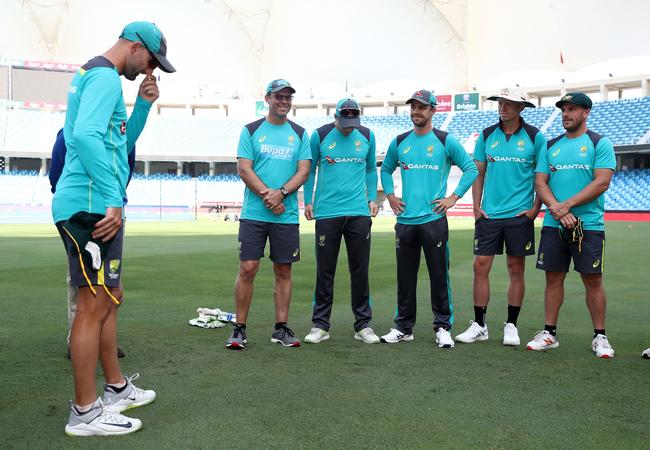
(599, 332)
(479, 315)
(279, 325)
(513, 314)
(551, 329)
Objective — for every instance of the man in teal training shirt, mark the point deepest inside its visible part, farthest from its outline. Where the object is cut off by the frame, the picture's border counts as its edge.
(505, 209)
(425, 156)
(88, 211)
(571, 178)
(273, 161)
(343, 153)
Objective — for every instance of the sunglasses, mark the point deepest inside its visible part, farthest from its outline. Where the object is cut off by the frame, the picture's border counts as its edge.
(281, 97)
(350, 112)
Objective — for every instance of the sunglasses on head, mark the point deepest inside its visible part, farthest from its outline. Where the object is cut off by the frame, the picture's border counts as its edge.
(350, 112)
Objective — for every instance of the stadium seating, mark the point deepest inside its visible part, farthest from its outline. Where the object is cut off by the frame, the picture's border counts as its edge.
(190, 137)
(623, 121)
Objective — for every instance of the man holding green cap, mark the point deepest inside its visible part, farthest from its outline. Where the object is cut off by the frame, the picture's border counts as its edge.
(273, 160)
(425, 156)
(573, 173)
(88, 211)
(343, 153)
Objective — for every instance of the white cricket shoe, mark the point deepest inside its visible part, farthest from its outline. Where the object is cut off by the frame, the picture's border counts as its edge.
(601, 347)
(646, 353)
(99, 421)
(443, 338)
(130, 397)
(317, 335)
(474, 333)
(543, 340)
(510, 334)
(367, 335)
(394, 335)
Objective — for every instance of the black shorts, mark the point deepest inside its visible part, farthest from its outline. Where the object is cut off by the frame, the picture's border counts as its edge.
(110, 272)
(555, 254)
(518, 233)
(283, 237)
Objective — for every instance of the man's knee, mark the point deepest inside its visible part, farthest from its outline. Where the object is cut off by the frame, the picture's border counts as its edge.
(282, 272)
(516, 267)
(248, 270)
(592, 281)
(482, 265)
(555, 278)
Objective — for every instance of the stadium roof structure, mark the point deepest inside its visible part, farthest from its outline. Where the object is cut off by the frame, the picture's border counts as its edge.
(231, 48)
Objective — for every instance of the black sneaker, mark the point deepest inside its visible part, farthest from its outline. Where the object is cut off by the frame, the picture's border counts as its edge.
(284, 335)
(237, 339)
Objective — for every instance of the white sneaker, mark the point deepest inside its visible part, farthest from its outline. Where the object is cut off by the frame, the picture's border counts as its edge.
(394, 335)
(131, 397)
(543, 340)
(510, 334)
(443, 338)
(367, 335)
(474, 333)
(317, 335)
(646, 353)
(601, 347)
(99, 421)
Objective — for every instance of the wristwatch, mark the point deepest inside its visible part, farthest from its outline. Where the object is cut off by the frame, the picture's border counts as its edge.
(284, 191)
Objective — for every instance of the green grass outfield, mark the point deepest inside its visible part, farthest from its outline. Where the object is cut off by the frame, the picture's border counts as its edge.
(338, 394)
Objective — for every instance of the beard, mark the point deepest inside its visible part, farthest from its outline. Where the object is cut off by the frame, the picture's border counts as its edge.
(575, 127)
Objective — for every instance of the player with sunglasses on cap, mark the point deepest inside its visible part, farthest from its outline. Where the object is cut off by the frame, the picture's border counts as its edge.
(344, 169)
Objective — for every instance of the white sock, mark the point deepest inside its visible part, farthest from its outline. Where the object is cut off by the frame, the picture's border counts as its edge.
(118, 385)
(84, 408)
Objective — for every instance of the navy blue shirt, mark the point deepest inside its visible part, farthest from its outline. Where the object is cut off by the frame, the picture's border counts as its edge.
(58, 160)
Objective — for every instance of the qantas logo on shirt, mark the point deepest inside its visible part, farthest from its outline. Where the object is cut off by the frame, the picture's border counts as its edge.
(123, 128)
(507, 159)
(331, 160)
(555, 168)
(276, 151)
(418, 166)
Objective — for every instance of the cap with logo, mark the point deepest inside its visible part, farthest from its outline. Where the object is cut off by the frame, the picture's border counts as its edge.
(513, 95)
(577, 98)
(347, 113)
(423, 96)
(278, 85)
(150, 36)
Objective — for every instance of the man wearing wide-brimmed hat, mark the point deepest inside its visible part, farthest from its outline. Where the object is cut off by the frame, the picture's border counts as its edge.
(505, 208)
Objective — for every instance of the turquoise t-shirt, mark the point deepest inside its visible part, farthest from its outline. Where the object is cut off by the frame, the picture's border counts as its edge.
(509, 186)
(425, 162)
(570, 165)
(347, 172)
(97, 138)
(275, 151)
